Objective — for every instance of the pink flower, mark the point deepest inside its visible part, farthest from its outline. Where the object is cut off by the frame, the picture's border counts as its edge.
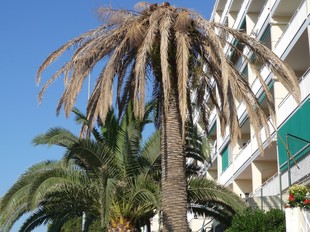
(291, 197)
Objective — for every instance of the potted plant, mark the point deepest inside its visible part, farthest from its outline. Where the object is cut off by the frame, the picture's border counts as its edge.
(297, 209)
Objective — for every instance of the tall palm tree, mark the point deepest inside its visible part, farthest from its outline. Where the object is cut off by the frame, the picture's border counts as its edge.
(172, 49)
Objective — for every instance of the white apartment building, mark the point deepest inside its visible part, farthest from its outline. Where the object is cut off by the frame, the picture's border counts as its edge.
(284, 27)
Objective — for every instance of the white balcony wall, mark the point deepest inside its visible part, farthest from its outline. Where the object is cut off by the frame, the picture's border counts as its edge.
(212, 118)
(241, 109)
(226, 175)
(242, 157)
(292, 29)
(269, 188)
(286, 107)
(296, 173)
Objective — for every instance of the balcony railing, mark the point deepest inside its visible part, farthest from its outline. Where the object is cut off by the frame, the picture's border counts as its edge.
(270, 187)
(300, 83)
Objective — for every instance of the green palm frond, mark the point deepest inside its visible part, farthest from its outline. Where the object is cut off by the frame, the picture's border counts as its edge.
(93, 155)
(38, 218)
(202, 190)
(15, 202)
(56, 136)
(150, 155)
(81, 119)
(139, 197)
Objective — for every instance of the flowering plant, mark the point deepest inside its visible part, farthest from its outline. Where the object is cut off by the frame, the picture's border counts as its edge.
(299, 196)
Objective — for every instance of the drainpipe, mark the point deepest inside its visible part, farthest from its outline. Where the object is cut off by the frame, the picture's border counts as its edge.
(288, 162)
(281, 195)
(261, 198)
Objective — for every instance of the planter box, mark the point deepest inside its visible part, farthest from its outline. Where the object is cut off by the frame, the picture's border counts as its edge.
(297, 219)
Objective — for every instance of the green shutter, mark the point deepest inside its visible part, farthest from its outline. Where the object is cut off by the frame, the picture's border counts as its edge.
(298, 125)
(265, 34)
(225, 159)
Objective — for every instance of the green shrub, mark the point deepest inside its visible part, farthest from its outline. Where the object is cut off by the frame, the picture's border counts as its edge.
(254, 220)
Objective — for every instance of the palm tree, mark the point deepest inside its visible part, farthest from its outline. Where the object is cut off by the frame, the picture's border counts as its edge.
(112, 157)
(105, 167)
(172, 49)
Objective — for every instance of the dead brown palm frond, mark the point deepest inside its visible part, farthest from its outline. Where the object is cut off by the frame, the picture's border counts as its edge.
(76, 41)
(285, 74)
(105, 96)
(113, 16)
(140, 67)
(164, 27)
(218, 55)
(251, 65)
(141, 6)
(182, 24)
(255, 113)
(183, 45)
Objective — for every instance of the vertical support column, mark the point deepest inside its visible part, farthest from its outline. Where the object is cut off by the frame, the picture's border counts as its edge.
(256, 176)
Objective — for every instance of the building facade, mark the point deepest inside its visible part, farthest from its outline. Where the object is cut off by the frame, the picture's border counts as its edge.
(284, 27)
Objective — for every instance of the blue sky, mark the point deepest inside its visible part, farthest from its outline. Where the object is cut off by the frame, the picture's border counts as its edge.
(30, 31)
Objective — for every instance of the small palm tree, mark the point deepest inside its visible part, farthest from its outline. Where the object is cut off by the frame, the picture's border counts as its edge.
(171, 49)
(109, 184)
(112, 157)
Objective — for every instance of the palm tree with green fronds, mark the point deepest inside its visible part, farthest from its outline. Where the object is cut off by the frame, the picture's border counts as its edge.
(112, 156)
(172, 50)
(109, 162)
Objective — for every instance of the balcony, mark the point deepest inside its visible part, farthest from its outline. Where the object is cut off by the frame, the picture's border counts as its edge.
(297, 24)
(288, 104)
(298, 172)
(246, 155)
(269, 188)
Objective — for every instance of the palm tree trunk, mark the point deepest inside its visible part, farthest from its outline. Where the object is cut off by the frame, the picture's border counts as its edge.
(174, 197)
